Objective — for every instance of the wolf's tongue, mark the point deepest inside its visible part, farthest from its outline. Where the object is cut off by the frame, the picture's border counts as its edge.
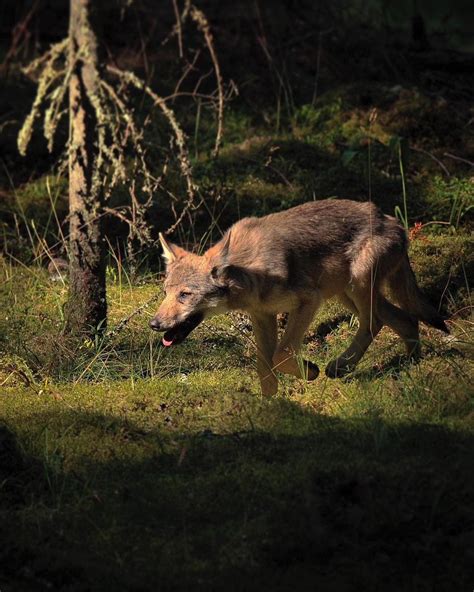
(167, 342)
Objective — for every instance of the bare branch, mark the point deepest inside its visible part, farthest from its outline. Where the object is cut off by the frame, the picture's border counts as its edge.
(189, 68)
(179, 30)
(183, 156)
(203, 24)
(454, 157)
(20, 36)
(124, 322)
(433, 157)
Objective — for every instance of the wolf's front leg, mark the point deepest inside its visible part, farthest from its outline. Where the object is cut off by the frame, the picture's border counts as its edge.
(285, 358)
(265, 330)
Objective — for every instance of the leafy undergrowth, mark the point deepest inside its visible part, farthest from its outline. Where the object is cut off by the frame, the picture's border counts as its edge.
(126, 466)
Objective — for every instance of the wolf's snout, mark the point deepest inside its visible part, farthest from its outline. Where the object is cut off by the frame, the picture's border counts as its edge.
(155, 324)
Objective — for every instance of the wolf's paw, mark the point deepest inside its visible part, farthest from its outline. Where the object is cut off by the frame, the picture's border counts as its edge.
(338, 368)
(413, 349)
(311, 370)
(286, 362)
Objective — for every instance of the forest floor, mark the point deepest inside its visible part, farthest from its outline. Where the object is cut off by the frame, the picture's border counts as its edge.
(125, 466)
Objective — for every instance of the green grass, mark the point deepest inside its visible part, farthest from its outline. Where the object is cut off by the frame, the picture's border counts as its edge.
(129, 467)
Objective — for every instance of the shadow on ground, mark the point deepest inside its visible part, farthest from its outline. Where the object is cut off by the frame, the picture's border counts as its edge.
(341, 505)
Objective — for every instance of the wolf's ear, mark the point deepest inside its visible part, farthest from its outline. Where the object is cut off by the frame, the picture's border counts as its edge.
(218, 274)
(227, 276)
(226, 244)
(220, 250)
(171, 252)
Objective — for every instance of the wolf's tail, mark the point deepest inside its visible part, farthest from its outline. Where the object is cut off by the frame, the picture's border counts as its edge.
(405, 290)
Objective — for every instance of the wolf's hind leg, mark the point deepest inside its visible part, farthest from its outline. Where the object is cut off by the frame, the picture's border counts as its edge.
(285, 358)
(404, 325)
(348, 303)
(364, 301)
(266, 336)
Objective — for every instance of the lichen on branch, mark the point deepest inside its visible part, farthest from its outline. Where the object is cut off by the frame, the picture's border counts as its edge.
(52, 86)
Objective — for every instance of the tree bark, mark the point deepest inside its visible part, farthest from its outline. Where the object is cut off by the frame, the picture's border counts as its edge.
(86, 310)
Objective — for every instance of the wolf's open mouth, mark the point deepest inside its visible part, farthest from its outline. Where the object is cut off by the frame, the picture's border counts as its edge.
(180, 332)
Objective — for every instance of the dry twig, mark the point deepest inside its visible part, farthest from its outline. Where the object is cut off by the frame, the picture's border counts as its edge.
(124, 322)
(458, 158)
(203, 24)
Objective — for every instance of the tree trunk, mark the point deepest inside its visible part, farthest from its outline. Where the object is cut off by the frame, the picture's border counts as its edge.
(87, 306)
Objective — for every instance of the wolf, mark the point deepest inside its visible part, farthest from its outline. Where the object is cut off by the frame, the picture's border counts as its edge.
(291, 262)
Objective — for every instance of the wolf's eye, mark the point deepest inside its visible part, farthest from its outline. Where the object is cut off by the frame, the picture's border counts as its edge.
(183, 295)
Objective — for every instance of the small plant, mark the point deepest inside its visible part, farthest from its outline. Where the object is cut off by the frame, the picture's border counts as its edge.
(400, 146)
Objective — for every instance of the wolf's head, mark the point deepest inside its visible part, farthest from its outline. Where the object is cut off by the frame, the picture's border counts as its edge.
(195, 289)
